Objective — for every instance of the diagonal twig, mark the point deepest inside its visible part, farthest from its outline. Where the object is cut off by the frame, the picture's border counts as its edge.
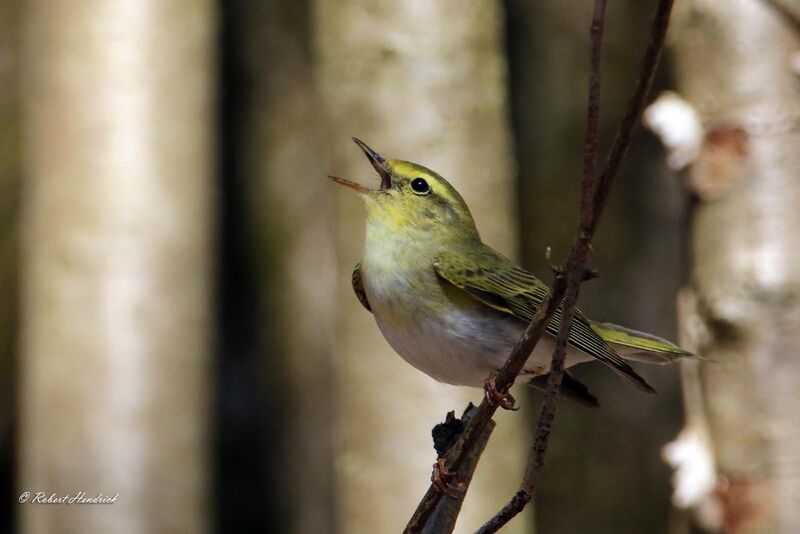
(446, 512)
(574, 271)
(594, 196)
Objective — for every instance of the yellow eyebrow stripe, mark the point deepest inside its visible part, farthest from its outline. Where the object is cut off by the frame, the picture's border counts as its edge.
(409, 170)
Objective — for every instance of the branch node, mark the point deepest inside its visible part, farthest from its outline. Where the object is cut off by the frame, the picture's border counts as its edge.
(445, 434)
(497, 398)
(590, 274)
(446, 481)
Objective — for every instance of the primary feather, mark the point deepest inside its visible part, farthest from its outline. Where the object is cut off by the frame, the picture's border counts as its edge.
(497, 282)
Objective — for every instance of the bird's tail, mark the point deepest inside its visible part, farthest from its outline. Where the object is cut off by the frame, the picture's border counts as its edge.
(571, 388)
(639, 346)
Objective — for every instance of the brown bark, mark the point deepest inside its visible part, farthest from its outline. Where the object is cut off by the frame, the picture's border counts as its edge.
(392, 76)
(734, 65)
(117, 264)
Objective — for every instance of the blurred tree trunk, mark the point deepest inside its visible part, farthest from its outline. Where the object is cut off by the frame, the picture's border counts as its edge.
(598, 480)
(9, 188)
(283, 214)
(424, 82)
(736, 63)
(117, 257)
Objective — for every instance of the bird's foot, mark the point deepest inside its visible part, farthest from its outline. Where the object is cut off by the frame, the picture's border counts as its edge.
(495, 398)
(446, 481)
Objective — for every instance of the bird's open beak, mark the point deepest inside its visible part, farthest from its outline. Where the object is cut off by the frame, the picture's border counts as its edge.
(358, 188)
(380, 165)
(378, 162)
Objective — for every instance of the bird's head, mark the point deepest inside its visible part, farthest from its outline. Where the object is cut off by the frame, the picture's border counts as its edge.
(412, 198)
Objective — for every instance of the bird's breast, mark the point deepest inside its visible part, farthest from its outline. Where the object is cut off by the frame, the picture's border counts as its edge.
(436, 327)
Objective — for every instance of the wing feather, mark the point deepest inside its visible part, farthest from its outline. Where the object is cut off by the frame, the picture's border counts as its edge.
(358, 287)
(497, 282)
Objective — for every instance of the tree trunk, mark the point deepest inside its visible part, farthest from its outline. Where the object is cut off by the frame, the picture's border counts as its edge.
(117, 263)
(424, 82)
(9, 201)
(283, 236)
(734, 64)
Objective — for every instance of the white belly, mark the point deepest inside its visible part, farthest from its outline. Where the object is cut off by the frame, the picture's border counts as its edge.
(457, 346)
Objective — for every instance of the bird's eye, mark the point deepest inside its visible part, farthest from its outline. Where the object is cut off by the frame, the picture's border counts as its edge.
(420, 186)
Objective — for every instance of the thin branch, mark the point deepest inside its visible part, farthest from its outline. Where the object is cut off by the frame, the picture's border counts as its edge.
(574, 274)
(444, 516)
(594, 197)
(592, 115)
(622, 140)
(469, 439)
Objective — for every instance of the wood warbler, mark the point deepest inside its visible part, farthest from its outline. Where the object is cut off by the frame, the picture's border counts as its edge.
(453, 307)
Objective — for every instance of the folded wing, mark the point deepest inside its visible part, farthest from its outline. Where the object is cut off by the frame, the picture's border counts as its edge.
(496, 281)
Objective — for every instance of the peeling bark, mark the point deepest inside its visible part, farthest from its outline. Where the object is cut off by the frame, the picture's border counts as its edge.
(733, 62)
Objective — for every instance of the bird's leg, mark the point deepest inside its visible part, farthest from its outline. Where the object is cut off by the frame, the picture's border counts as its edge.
(495, 398)
(441, 478)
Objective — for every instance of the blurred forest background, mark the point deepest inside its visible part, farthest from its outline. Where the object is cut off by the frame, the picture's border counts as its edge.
(176, 318)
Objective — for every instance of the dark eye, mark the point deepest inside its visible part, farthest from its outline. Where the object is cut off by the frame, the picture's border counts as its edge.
(420, 186)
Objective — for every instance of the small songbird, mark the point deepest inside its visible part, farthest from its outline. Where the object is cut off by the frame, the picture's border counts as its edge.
(453, 307)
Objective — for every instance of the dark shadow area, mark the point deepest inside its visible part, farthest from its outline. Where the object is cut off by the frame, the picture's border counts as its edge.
(242, 418)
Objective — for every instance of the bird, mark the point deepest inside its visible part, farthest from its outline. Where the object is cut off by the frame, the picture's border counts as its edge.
(453, 307)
